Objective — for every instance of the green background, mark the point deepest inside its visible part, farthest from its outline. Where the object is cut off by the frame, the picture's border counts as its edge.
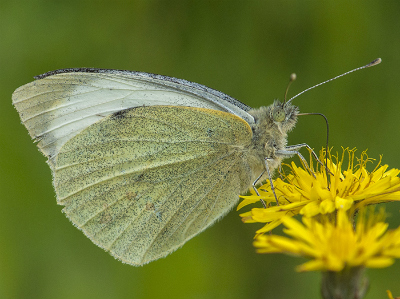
(246, 49)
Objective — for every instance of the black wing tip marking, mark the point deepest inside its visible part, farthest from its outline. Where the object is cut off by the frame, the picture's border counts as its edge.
(151, 76)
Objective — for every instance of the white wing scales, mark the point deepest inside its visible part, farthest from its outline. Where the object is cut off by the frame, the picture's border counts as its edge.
(141, 183)
(60, 104)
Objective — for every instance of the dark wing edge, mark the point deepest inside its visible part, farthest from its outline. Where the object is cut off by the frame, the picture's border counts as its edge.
(145, 76)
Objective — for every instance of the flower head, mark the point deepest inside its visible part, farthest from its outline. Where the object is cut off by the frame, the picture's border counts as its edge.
(307, 191)
(334, 245)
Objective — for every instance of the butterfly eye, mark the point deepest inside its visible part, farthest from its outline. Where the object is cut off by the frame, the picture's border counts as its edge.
(278, 114)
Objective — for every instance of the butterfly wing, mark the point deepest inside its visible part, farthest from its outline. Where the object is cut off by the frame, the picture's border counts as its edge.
(61, 103)
(143, 181)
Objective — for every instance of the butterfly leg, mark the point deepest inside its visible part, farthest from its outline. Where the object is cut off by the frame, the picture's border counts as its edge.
(288, 153)
(294, 150)
(255, 189)
(296, 147)
(270, 182)
(270, 179)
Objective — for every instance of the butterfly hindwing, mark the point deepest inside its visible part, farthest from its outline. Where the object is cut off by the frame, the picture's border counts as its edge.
(141, 182)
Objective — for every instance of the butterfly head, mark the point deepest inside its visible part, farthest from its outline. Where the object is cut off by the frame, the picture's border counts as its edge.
(283, 115)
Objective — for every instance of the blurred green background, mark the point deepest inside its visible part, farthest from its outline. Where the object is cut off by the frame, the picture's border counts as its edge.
(246, 49)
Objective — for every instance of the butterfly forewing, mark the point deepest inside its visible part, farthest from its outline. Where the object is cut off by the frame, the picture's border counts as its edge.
(61, 104)
(143, 181)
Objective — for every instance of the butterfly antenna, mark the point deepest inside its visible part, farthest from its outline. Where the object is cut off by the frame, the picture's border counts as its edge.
(373, 63)
(291, 79)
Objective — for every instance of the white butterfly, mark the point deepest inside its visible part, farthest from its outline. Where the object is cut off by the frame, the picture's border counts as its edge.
(143, 162)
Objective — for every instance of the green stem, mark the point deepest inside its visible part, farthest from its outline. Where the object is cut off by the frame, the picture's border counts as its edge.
(350, 283)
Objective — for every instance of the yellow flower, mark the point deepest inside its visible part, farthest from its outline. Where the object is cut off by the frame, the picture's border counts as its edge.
(334, 245)
(306, 191)
(389, 293)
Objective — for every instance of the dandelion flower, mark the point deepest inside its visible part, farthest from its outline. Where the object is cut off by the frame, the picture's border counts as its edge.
(334, 245)
(306, 191)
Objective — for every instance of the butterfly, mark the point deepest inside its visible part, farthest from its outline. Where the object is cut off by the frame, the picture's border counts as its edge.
(142, 163)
